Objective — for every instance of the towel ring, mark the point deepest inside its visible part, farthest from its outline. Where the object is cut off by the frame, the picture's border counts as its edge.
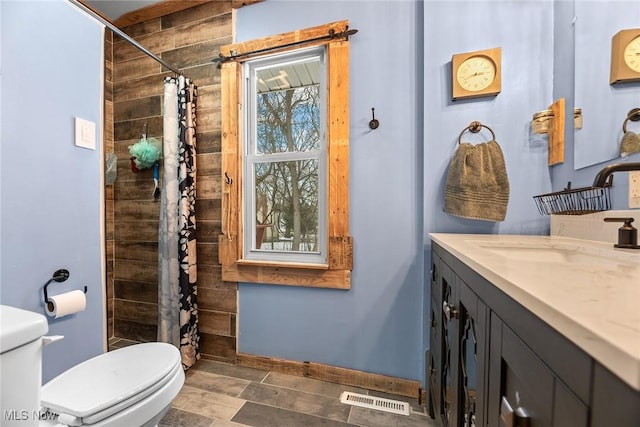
(475, 127)
(633, 115)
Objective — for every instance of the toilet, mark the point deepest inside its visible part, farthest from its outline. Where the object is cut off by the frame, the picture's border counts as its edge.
(132, 386)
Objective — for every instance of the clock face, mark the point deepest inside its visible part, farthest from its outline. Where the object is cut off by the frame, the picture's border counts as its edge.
(476, 73)
(632, 54)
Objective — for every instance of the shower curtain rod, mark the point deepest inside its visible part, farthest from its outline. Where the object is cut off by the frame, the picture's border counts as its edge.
(331, 35)
(121, 33)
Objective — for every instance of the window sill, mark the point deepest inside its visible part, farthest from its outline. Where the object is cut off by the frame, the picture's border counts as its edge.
(288, 274)
(280, 264)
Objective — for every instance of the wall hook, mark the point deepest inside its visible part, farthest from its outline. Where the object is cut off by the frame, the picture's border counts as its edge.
(373, 124)
(228, 179)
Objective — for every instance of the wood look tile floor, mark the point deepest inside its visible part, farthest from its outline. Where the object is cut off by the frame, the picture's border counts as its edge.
(218, 394)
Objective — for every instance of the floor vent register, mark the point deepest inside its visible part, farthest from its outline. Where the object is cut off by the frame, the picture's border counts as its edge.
(372, 402)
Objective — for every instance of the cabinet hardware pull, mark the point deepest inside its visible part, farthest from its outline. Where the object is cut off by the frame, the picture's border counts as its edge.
(513, 418)
(522, 417)
(450, 311)
(506, 414)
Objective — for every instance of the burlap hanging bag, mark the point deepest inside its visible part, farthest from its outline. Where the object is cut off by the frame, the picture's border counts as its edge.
(477, 183)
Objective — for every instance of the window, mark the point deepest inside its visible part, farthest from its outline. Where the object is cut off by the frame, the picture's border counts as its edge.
(285, 157)
(285, 160)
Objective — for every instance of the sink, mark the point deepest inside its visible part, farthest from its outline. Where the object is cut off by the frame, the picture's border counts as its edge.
(542, 254)
(546, 252)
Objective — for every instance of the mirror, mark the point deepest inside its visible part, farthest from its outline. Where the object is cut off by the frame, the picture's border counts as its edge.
(604, 106)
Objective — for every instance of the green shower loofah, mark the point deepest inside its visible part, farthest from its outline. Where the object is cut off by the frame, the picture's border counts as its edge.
(146, 152)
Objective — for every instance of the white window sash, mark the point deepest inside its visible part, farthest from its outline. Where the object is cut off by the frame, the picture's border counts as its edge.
(251, 158)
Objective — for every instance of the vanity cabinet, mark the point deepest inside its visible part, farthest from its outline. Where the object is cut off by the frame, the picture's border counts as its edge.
(494, 363)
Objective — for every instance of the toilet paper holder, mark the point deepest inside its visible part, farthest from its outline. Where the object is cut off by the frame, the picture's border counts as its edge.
(59, 276)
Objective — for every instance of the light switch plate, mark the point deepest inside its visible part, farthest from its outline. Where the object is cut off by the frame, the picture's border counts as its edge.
(634, 189)
(85, 134)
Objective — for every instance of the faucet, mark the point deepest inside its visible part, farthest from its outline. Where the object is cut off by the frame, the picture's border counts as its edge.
(627, 234)
(601, 177)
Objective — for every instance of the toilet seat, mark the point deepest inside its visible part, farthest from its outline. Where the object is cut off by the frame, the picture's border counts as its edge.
(108, 384)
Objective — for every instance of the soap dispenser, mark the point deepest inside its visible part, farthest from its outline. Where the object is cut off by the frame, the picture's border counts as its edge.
(627, 234)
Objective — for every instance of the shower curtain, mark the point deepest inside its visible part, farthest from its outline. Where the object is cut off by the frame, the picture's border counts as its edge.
(177, 271)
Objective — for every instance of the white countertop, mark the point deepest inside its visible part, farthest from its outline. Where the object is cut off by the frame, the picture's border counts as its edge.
(592, 298)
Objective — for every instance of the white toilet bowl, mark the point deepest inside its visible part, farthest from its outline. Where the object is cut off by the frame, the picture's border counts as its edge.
(132, 386)
(129, 387)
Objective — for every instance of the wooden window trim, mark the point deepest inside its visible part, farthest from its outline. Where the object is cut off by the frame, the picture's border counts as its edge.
(337, 272)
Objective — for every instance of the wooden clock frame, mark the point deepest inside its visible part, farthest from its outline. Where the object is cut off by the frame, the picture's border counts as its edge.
(620, 71)
(494, 55)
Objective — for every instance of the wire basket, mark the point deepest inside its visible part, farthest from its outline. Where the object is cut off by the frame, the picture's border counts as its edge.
(578, 201)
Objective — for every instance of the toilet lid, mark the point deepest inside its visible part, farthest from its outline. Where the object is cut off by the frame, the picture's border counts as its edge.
(110, 379)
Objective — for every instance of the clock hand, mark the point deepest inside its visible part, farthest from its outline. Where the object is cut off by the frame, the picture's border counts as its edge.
(474, 75)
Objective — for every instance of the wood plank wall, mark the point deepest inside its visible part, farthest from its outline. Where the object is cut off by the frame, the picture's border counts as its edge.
(188, 40)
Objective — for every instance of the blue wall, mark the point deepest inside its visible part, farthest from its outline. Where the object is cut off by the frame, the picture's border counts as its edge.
(524, 31)
(376, 326)
(50, 189)
(398, 171)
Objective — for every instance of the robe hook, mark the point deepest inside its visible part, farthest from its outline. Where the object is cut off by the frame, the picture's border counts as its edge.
(373, 124)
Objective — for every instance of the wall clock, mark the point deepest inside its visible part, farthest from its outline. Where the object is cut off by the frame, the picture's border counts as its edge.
(476, 73)
(625, 56)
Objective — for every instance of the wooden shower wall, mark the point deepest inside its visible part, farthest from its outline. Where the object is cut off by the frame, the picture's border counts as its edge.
(188, 40)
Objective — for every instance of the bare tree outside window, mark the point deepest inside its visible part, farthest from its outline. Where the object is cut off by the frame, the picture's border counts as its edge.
(285, 157)
(287, 191)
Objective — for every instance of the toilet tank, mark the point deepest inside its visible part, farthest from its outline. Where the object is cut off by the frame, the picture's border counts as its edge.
(21, 345)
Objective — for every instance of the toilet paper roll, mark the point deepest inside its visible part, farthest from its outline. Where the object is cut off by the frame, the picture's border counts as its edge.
(65, 304)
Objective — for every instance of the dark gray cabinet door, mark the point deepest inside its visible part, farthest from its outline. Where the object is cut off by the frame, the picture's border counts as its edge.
(435, 338)
(449, 371)
(457, 365)
(523, 392)
(473, 334)
(614, 403)
(444, 354)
